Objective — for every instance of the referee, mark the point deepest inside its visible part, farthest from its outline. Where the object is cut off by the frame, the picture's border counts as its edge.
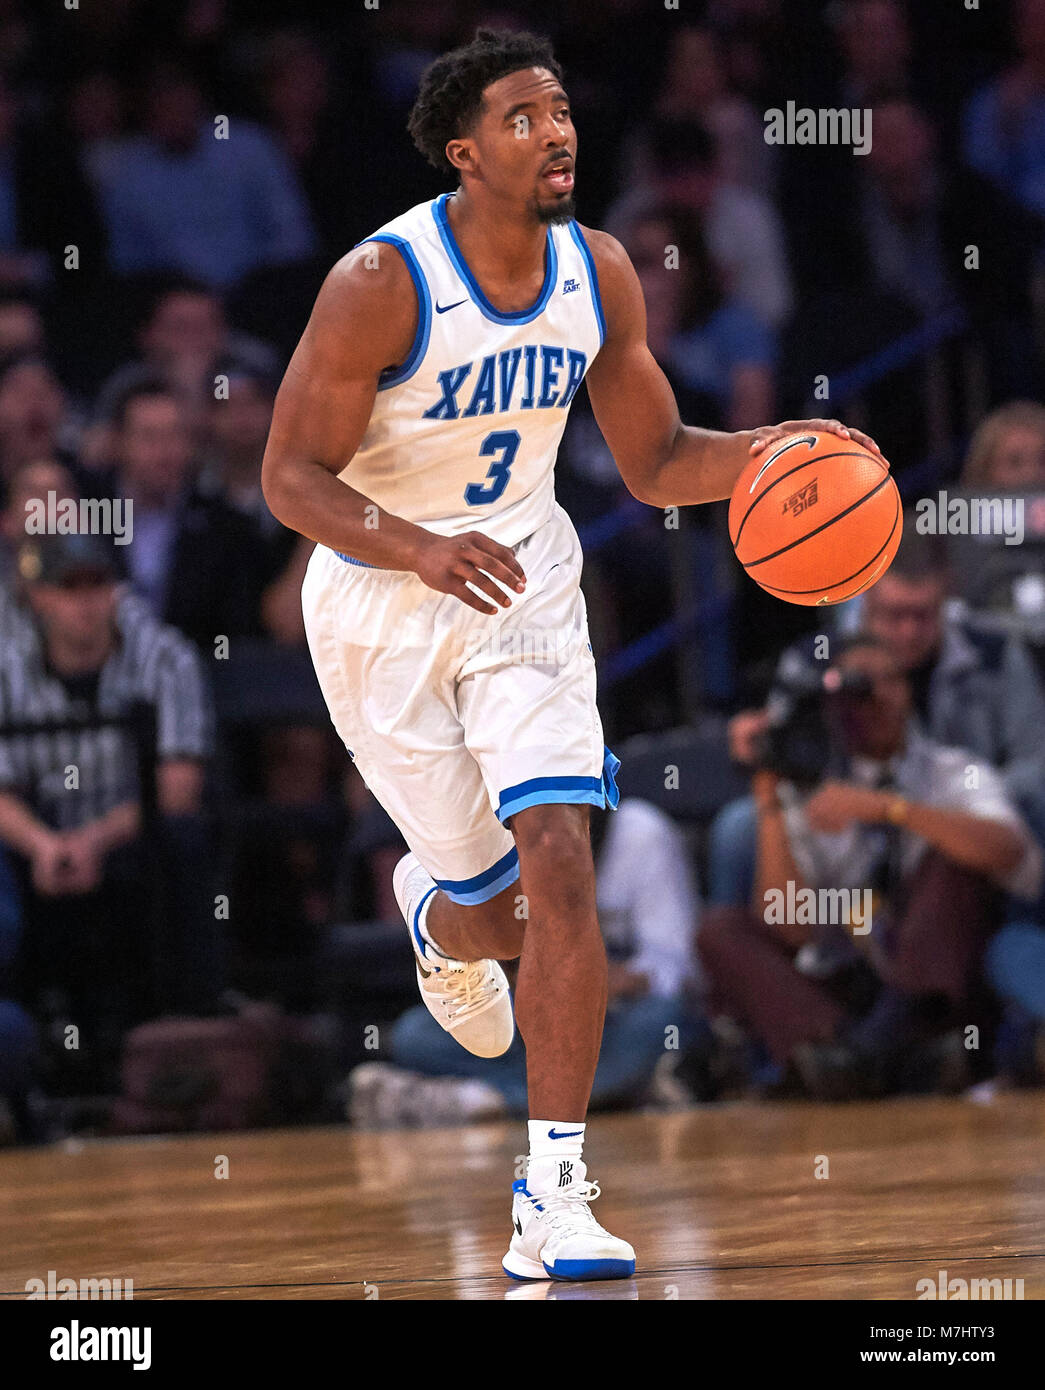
(113, 906)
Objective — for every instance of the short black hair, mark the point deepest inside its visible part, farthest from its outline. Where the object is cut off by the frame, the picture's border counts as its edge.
(451, 93)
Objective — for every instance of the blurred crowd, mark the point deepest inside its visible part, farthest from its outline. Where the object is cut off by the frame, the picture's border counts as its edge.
(184, 833)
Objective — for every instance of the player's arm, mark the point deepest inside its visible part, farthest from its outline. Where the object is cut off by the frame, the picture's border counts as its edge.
(663, 461)
(364, 320)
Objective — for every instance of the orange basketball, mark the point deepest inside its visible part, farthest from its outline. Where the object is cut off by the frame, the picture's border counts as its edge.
(815, 519)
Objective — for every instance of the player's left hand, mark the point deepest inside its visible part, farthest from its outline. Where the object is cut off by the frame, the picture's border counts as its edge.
(769, 434)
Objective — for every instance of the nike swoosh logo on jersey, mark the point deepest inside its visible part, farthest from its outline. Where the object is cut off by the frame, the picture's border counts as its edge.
(445, 308)
(567, 1134)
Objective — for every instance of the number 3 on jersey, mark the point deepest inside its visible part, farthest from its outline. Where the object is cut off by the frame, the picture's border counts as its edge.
(503, 442)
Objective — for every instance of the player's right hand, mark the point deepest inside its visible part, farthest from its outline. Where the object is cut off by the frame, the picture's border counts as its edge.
(450, 563)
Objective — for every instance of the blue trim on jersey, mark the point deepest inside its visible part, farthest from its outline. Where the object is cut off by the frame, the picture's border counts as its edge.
(589, 259)
(551, 272)
(482, 887)
(395, 376)
(564, 791)
(351, 559)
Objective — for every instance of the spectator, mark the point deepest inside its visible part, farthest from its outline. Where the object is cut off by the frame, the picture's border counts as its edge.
(936, 844)
(21, 326)
(95, 115)
(711, 342)
(647, 905)
(71, 803)
(697, 87)
(301, 112)
(236, 432)
(875, 39)
(743, 231)
(45, 202)
(185, 340)
(1015, 965)
(901, 212)
(1008, 450)
(30, 484)
(192, 558)
(1004, 128)
(970, 688)
(180, 198)
(33, 415)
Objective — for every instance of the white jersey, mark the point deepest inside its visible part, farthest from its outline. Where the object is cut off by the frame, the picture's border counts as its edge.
(464, 433)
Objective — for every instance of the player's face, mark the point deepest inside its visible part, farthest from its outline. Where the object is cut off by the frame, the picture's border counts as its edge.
(524, 144)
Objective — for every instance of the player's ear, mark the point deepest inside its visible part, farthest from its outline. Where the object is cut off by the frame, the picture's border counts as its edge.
(461, 155)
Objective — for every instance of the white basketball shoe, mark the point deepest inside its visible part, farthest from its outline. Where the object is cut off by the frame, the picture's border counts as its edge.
(468, 999)
(556, 1235)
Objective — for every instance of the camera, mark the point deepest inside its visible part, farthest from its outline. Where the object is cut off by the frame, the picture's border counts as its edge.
(803, 742)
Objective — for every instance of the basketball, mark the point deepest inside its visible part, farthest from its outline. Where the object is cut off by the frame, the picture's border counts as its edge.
(815, 519)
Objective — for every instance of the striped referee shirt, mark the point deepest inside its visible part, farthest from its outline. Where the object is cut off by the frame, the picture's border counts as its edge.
(150, 663)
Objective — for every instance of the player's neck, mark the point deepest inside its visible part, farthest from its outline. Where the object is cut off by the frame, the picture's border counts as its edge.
(491, 237)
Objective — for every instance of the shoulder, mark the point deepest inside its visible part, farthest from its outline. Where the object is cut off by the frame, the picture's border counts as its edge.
(619, 287)
(612, 262)
(374, 273)
(146, 644)
(366, 313)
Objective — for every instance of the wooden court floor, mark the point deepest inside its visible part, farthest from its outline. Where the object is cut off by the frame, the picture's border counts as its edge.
(721, 1202)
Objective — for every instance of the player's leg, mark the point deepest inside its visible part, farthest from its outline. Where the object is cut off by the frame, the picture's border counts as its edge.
(560, 996)
(528, 708)
(386, 651)
(471, 931)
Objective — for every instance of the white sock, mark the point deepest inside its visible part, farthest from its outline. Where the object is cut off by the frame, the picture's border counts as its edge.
(555, 1139)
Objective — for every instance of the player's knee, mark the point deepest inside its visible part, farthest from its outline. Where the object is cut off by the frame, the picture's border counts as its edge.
(554, 847)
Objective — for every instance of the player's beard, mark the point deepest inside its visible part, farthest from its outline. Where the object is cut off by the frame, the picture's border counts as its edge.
(557, 213)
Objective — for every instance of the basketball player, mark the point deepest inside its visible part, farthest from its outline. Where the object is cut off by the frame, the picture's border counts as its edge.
(414, 438)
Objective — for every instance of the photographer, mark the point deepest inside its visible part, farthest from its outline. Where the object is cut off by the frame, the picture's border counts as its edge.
(970, 688)
(926, 832)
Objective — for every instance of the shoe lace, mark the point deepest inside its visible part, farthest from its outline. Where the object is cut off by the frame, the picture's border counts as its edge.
(567, 1207)
(466, 986)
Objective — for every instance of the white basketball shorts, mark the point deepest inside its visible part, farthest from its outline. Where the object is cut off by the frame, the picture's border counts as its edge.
(457, 719)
